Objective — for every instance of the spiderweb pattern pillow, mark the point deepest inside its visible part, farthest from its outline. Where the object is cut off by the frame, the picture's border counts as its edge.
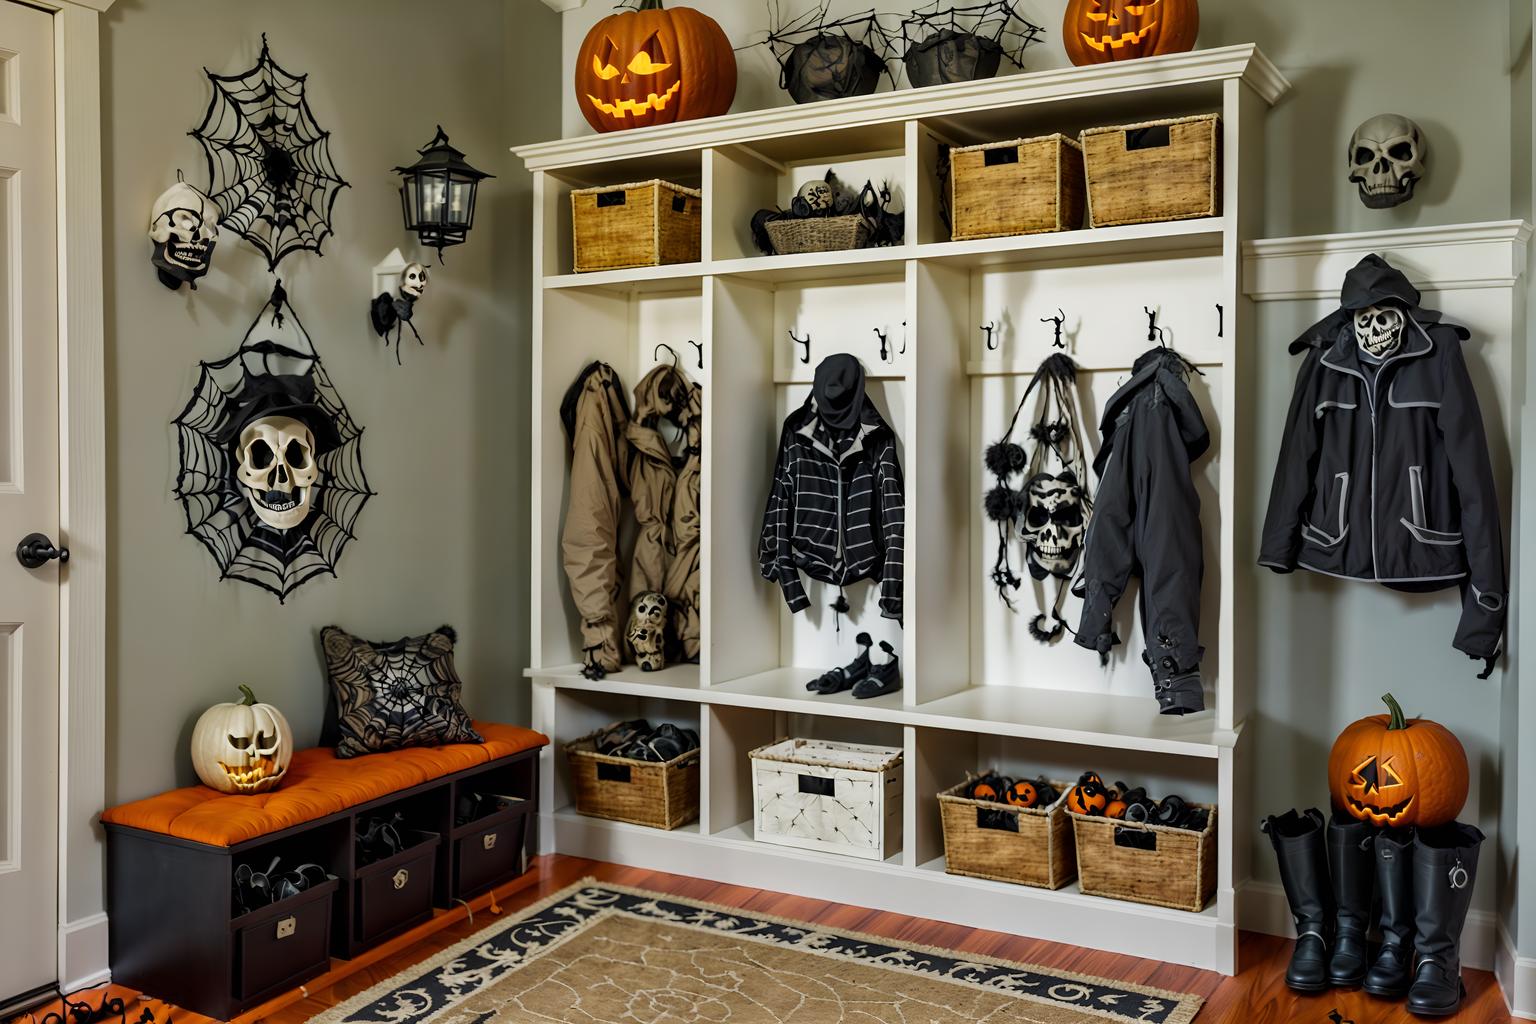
(396, 695)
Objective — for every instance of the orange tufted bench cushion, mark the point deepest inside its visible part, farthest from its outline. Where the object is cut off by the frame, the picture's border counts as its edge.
(318, 784)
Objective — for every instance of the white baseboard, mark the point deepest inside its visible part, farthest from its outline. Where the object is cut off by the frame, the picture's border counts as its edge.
(83, 955)
(1517, 977)
(1261, 907)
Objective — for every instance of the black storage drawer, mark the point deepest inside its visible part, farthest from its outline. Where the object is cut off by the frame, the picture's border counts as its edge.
(395, 893)
(283, 945)
(489, 850)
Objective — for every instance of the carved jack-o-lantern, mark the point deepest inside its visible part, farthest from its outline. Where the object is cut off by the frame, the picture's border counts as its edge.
(654, 66)
(1089, 796)
(242, 748)
(1101, 31)
(1387, 770)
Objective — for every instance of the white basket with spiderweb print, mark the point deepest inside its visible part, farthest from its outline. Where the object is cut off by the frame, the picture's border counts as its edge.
(842, 798)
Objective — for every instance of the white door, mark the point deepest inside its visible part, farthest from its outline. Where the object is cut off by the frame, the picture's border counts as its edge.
(29, 503)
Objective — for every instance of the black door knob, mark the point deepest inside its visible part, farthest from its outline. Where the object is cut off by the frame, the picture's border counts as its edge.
(36, 550)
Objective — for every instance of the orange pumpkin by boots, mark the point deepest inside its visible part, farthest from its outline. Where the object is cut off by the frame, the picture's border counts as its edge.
(651, 66)
(1389, 770)
(1102, 31)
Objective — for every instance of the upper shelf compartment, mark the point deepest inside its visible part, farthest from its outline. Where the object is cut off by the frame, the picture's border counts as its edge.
(1095, 93)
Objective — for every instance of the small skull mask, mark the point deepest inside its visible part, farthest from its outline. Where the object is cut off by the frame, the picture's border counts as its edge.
(184, 225)
(647, 631)
(1053, 524)
(413, 280)
(1386, 159)
(278, 470)
(817, 196)
(1379, 330)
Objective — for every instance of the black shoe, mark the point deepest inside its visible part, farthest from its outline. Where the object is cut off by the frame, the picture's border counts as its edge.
(1298, 843)
(840, 679)
(1353, 869)
(1444, 868)
(1391, 974)
(883, 678)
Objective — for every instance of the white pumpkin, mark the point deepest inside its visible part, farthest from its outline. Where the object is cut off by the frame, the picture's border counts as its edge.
(242, 748)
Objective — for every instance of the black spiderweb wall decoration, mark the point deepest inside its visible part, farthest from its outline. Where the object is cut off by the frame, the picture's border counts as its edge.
(269, 162)
(218, 511)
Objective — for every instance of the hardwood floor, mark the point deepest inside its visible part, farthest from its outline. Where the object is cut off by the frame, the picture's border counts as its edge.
(1256, 996)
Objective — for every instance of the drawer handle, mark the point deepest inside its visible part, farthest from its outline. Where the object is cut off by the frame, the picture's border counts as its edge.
(607, 199)
(1135, 838)
(818, 786)
(998, 819)
(489, 839)
(1152, 137)
(402, 877)
(994, 157)
(286, 927)
(612, 772)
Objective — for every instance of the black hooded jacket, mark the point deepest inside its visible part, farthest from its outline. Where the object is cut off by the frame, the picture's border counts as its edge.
(837, 505)
(1146, 520)
(1384, 472)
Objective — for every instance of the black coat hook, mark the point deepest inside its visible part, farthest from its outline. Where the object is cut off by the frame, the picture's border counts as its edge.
(806, 341)
(885, 348)
(700, 346)
(1221, 321)
(1154, 332)
(656, 353)
(903, 338)
(1059, 319)
(988, 327)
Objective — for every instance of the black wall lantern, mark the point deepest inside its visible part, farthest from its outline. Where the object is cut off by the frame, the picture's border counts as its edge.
(437, 194)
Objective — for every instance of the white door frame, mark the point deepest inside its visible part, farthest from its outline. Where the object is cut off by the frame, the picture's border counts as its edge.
(82, 938)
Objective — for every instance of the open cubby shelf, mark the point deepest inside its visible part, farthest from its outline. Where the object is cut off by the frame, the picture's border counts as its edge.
(978, 691)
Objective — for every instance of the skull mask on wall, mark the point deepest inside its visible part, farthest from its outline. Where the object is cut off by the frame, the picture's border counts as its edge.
(647, 631)
(1053, 524)
(277, 467)
(1386, 159)
(414, 279)
(1379, 330)
(184, 225)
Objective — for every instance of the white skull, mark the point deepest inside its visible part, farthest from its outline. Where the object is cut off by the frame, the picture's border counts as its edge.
(817, 195)
(1053, 522)
(647, 632)
(183, 224)
(1386, 159)
(278, 470)
(414, 279)
(1379, 329)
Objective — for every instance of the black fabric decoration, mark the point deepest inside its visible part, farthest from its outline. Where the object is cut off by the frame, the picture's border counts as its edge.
(827, 60)
(963, 44)
(269, 162)
(274, 373)
(1049, 512)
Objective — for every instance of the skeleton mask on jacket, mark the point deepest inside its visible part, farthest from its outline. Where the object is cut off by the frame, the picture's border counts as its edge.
(1379, 330)
(184, 226)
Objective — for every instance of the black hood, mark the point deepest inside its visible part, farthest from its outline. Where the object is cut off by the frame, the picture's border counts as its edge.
(839, 392)
(1164, 373)
(272, 394)
(1371, 282)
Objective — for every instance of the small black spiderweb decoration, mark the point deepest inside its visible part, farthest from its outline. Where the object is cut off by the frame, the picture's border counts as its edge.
(1049, 512)
(269, 162)
(218, 512)
(962, 44)
(821, 58)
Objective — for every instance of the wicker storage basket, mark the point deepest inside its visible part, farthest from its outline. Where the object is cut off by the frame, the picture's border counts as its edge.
(1157, 170)
(818, 234)
(643, 224)
(840, 798)
(1022, 187)
(987, 839)
(1167, 867)
(659, 794)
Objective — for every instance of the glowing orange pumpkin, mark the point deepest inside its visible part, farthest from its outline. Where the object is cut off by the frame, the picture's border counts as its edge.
(654, 66)
(1388, 770)
(1102, 31)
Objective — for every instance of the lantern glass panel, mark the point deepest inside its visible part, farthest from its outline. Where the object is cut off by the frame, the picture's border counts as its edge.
(461, 201)
(410, 199)
(434, 197)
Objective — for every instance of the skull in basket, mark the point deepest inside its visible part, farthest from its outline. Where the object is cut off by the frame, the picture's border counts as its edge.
(1053, 523)
(647, 632)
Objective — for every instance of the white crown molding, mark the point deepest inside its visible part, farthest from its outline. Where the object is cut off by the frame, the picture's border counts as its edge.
(1443, 258)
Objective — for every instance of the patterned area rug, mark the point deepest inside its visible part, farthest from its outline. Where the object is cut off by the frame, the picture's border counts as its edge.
(597, 952)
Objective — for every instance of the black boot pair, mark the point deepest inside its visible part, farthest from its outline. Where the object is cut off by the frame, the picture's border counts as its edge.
(1424, 883)
(862, 676)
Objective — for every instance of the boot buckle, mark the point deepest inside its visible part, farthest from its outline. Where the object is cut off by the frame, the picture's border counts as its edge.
(1458, 876)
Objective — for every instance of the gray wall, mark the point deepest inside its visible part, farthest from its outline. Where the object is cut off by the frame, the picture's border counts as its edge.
(1326, 650)
(446, 443)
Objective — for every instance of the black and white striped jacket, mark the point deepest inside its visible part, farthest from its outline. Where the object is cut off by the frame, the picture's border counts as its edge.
(837, 518)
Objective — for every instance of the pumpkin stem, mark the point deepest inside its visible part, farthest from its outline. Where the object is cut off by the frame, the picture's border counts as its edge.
(1398, 720)
(250, 698)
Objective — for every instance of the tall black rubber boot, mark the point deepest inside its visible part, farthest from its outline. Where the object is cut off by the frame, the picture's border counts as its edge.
(1298, 843)
(1353, 868)
(1444, 868)
(1392, 972)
